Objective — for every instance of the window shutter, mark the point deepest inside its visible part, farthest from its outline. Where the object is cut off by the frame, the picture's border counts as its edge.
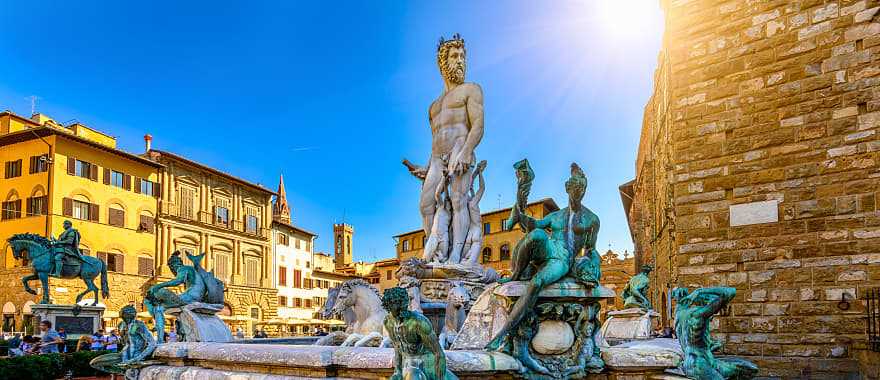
(157, 190)
(93, 172)
(106, 176)
(103, 257)
(71, 166)
(93, 212)
(126, 181)
(120, 260)
(30, 205)
(44, 205)
(32, 166)
(67, 207)
(17, 208)
(137, 185)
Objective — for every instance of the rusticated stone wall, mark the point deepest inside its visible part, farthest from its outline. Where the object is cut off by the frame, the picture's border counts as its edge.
(758, 169)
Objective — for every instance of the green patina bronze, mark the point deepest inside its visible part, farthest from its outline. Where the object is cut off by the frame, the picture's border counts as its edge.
(693, 312)
(542, 258)
(59, 258)
(137, 345)
(417, 351)
(199, 285)
(635, 294)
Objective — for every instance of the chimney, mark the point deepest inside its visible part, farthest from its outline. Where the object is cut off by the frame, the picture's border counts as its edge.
(148, 141)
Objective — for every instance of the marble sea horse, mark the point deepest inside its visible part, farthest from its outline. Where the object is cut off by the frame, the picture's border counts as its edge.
(359, 304)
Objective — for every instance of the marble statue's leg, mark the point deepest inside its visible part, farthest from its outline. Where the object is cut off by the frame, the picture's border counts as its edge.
(427, 203)
(367, 339)
(351, 340)
(461, 218)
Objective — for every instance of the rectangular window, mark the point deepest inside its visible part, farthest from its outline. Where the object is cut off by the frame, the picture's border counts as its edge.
(222, 216)
(297, 278)
(147, 223)
(388, 275)
(307, 264)
(37, 205)
(221, 266)
(252, 271)
(297, 244)
(282, 301)
(116, 178)
(85, 170)
(12, 210)
(115, 261)
(13, 169)
(282, 239)
(308, 246)
(81, 210)
(487, 228)
(297, 302)
(115, 217)
(145, 266)
(253, 224)
(186, 202)
(39, 164)
(146, 187)
(307, 302)
(307, 283)
(282, 276)
(405, 245)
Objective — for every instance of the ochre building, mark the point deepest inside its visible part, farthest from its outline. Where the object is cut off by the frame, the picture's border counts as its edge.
(54, 173)
(206, 210)
(757, 169)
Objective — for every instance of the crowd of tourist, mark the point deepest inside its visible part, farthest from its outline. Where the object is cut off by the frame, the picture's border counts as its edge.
(52, 341)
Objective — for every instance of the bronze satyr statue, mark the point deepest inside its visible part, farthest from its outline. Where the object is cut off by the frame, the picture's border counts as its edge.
(693, 312)
(635, 294)
(417, 351)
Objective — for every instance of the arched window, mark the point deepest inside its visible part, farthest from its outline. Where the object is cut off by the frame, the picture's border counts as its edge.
(487, 254)
(505, 252)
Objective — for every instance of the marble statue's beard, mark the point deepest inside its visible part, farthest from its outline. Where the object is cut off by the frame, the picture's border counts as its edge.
(454, 74)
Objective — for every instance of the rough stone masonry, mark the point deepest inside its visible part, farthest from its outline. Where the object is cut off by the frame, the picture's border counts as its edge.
(758, 168)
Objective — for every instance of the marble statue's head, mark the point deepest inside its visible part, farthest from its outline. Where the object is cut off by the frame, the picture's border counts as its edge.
(576, 185)
(128, 313)
(174, 262)
(395, 300)
(451, 59)
(67, 224)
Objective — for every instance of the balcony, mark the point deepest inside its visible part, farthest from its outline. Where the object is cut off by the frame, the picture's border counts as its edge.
(210, 219)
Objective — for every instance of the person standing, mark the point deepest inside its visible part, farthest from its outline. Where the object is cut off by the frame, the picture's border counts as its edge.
(112, 341)
(172, 336)
(63, 336)
(50, 340)
(98, 340)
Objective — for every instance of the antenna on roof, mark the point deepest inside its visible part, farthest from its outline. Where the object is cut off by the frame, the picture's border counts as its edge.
(33, 99)
(499, 200)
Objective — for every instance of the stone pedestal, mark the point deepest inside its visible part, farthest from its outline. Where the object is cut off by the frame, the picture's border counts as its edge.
(74, 319)
(198, 322)
(629, 324)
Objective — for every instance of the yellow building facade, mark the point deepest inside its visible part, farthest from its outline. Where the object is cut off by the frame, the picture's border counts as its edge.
(498, 243)
(229, 219)
(54, 173)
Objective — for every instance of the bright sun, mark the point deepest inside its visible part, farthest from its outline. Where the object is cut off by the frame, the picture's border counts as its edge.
(626, 20)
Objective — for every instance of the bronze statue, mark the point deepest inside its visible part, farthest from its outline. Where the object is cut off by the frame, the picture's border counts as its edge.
(137, 345)
(693, 312)
(199, 285)
(542, 258)
(635, 294)
(417, 351)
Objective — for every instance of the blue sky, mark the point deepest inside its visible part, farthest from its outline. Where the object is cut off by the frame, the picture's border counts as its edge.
(335, 94)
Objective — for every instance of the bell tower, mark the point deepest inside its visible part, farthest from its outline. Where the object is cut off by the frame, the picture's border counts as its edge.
(342, 244)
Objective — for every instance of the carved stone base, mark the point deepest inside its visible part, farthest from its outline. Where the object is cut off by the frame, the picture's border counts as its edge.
(75, 319)
(198, 322)
(629, 324)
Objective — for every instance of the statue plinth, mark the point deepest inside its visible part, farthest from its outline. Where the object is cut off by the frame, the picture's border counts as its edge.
(629, 324)
(198, 322)
(76, 320)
